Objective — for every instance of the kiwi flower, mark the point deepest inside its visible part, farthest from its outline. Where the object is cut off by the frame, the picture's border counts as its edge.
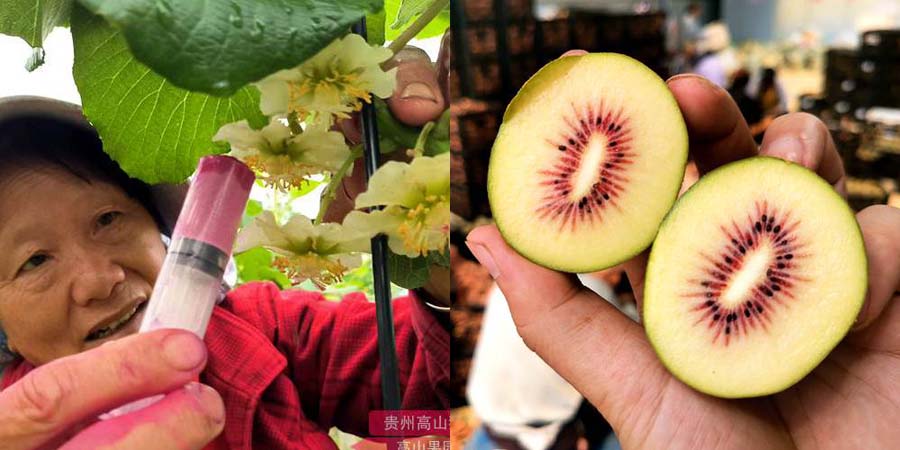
(416, 201)
(334, 82)
(304, 251)
(281, 159)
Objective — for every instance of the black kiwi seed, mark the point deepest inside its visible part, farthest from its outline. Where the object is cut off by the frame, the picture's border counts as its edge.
(734, 241)
(788, 256)
(758, 226)
(608, 165)
(613, 144)
(611, 126)
(716, 317)
(618, 127)
(747, 312)
(781, 265)
(759, 308)
(562, 148)
(776, 287)
(599, 121)
(715, 307)
(742, 249)
(728, 259)
(729, 318)
(606, 196)
(704, 283)
(571, 141)
(767, 291)
(769, 227)
(727, 330)
(709, 303)
(777, 228)
(764, 218)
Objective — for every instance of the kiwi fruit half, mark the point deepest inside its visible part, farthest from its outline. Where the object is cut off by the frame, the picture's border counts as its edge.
(755, 276)
(588, 161)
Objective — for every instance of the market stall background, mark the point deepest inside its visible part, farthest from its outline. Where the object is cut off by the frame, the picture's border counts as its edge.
(836, 59)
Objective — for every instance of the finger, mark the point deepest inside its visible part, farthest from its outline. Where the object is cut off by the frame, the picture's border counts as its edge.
(636, 268)
(417, 97)
(880, 227)
(804, 139)
(598, 350)
(717, 132)
(60, 395)
(186, 419)
(718, 135)
(574, 53)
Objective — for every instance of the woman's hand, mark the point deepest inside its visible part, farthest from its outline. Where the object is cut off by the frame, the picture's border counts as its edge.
(56, 405)
(850, 400)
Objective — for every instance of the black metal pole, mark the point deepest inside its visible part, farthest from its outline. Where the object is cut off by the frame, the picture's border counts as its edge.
(387, 349)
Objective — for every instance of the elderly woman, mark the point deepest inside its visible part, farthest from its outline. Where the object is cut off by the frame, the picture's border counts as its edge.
(82, 245)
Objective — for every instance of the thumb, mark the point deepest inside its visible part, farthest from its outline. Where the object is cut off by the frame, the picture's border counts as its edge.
(602, 353)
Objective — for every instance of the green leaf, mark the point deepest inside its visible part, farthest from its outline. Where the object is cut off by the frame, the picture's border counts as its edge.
(256, 265)
(254, 208)
(155, 131)
(439, 140)
(410, 273)
(394, 135)
(375, 27)
(394, 9)
(218, 46)
(33, 20)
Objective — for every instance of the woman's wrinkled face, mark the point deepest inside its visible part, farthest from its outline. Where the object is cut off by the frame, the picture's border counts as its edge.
(78, 261)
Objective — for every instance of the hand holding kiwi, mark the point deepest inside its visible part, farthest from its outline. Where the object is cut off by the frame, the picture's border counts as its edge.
(768, 322)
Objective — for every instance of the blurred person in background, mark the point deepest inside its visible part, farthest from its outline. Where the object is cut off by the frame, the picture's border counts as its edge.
(717, 60)
(683, 34)
(771, 95)
(749, 105)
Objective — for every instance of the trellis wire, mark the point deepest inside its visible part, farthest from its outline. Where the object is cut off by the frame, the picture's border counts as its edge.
(390, 379)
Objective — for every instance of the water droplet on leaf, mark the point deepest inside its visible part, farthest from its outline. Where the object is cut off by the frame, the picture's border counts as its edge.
(221, 86)
(258, 29)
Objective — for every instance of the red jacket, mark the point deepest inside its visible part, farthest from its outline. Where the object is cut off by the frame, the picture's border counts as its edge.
(290, 365)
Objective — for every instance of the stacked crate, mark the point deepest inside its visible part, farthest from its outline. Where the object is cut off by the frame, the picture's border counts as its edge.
(493, 49)
(855, 82)
(498, 45)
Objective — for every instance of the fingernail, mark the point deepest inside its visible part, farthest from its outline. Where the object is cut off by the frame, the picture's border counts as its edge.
(184, 351)
(789, 148)
(207, 398)
(483, 255)
(418, 90)
(691, 76)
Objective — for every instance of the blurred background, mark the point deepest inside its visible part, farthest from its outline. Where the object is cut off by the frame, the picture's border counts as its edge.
(836, 59)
